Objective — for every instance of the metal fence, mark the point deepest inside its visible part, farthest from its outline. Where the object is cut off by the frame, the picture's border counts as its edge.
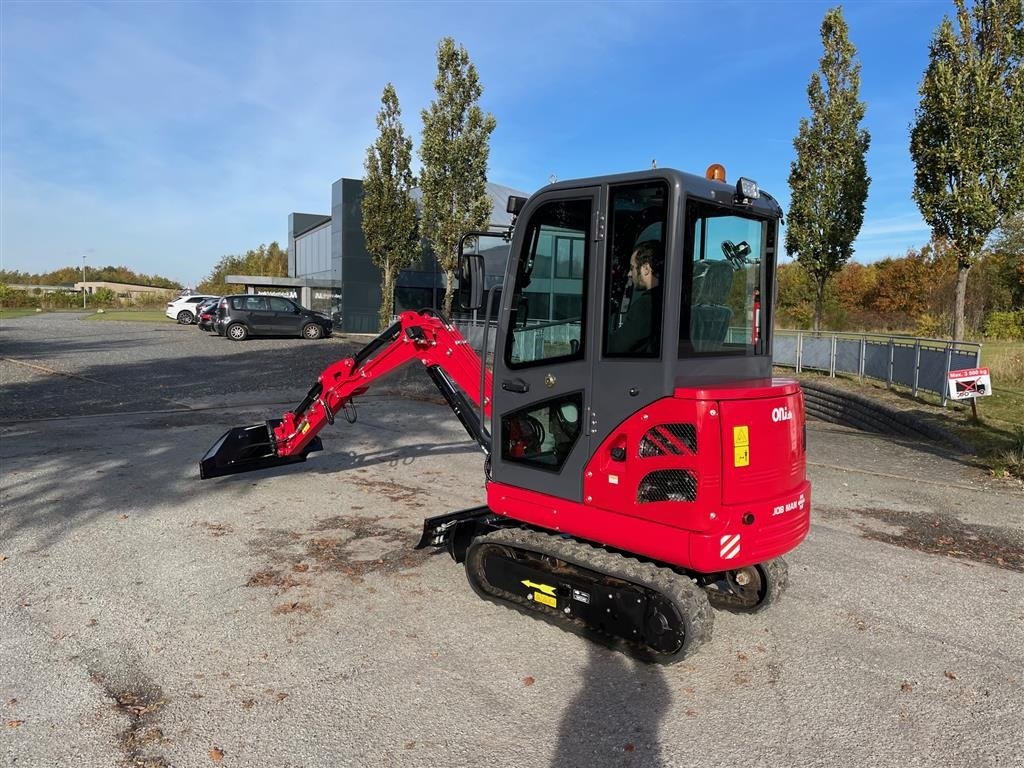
(920, 364)
(474, 331)
(531, 343)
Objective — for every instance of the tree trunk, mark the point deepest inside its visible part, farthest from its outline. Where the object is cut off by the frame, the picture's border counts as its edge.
(819, 306)
(960, 300)
(449, 292)
(387, 298)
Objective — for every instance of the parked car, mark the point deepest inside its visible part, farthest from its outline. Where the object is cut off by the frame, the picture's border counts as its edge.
(183, 308)
(206, 315)
(245, 315)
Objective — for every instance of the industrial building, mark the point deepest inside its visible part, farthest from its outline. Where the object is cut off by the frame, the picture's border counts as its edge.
(329, 269)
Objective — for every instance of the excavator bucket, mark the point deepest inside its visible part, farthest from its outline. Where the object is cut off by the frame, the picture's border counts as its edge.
(243, 449)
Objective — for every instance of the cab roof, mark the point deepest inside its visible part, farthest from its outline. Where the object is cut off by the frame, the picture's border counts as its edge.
(685, 184)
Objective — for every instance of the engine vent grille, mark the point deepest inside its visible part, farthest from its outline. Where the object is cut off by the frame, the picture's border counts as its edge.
(667, 485)
(669, 440)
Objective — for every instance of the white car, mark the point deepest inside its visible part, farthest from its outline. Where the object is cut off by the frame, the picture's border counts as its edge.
(183, 308)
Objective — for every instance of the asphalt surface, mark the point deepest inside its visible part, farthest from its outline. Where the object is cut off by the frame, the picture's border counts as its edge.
(283, 619)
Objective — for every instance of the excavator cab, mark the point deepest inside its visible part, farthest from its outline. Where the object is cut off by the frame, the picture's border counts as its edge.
(587, 337)
(642, 464)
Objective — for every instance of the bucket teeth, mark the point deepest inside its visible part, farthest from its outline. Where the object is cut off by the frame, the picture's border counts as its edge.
(244, 449)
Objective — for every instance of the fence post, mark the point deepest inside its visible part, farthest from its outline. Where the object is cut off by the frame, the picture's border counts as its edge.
(917, 365)
(863, 356)
(799, 351)
(832, 358)
(892, 352)
(945, 385)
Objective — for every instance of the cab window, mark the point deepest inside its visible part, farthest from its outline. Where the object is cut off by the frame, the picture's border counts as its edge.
(543, 434)
(549, 296)
(721, 310)
(633, 314)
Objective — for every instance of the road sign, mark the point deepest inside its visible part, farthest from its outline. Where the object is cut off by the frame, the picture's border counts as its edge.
(969, 383)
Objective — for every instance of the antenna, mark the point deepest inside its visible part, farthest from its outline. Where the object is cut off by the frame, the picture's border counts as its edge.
(654, 163)
(552, 179)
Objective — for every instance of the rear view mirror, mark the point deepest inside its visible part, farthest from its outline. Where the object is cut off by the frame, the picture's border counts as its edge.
(472, 277)
(471, 280)
(515, 204)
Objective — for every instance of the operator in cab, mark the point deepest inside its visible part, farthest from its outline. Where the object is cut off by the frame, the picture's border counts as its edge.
(640, 329)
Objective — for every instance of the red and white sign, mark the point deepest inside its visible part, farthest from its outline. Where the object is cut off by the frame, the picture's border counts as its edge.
(968, 383)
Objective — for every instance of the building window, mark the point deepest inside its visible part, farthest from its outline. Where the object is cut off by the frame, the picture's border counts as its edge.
(569, 257)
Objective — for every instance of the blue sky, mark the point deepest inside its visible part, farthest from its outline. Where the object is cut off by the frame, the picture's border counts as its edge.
(162, 136)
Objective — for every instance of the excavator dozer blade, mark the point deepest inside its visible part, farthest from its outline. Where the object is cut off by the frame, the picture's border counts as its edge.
(244, 449)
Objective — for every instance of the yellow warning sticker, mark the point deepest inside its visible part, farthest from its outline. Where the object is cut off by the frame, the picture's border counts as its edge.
(540, 597)
(305, 428)
(741, 456)
(740, 436)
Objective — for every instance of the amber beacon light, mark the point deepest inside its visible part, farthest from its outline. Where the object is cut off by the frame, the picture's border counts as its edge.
(715, 172)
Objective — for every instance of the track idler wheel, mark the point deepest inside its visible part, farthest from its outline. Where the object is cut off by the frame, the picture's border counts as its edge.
(645, 610)
(750, 589)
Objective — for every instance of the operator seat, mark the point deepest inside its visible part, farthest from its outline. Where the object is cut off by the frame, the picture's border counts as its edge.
(709, 314)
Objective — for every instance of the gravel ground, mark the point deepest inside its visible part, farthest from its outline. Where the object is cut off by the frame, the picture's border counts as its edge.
(116, 367)
(283, 619)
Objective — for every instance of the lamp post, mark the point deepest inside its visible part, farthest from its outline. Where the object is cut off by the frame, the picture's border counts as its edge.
(83, 281)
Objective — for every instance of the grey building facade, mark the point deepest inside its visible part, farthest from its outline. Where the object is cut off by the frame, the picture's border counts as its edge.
(330, 270)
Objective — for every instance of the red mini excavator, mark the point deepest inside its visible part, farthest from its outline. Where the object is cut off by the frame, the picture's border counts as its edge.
(642, 464)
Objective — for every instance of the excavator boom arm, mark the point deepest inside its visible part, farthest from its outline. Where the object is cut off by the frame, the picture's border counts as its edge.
(425, 336)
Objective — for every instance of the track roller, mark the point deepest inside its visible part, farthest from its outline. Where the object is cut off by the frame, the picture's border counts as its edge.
(750, 589)
(651, 612)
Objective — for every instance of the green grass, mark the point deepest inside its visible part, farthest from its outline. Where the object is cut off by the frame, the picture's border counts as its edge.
(133, 316)
(7, 314)
(1006, 359)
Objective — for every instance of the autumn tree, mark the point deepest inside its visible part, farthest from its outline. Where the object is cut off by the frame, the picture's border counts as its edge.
(853, 286)
(967, 140)
(389, 211)
(828, 179)
(454, 152)
(901, 288)
(795, 296)
(1008, 253)
(269, 260)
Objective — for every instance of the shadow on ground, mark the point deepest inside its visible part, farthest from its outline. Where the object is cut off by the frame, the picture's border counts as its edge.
(69, 456)
(613, 719)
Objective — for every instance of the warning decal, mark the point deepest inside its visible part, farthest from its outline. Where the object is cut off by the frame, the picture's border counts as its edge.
(741, 446)
(969, 383)
(730, 546)
(540, 597)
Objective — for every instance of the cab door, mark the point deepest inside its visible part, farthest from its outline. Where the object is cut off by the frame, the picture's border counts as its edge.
(543, 357)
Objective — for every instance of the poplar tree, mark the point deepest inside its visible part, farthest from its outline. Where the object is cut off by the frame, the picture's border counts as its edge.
(967, 141)
(389, 211)
(454, 152)
(828, 179)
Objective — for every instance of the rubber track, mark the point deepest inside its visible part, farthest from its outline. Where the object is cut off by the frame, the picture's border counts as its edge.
(691, 600)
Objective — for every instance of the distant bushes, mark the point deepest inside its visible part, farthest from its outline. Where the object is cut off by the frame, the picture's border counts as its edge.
(1005, 325)
(11, 298)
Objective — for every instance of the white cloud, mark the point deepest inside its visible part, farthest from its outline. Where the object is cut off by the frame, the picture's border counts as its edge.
(910, 224)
